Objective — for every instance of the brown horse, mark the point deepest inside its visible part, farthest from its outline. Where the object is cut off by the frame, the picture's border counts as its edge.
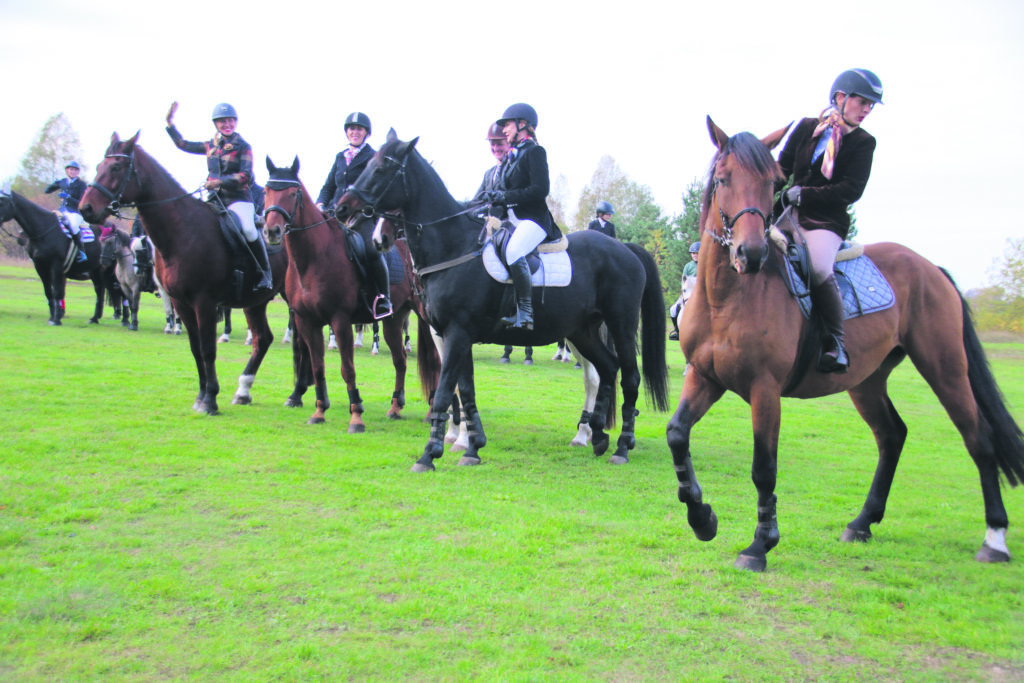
(323, 288)
(743, 332)
(193, 260)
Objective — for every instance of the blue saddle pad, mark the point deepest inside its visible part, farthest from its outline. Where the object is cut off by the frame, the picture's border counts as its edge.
(396, 269)
(863, 287)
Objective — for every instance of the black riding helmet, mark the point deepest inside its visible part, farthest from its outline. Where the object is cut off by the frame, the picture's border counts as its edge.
(517, 111)
(858, 82)
(358, 118)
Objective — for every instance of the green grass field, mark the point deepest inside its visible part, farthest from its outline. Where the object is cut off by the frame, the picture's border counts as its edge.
(140, 541)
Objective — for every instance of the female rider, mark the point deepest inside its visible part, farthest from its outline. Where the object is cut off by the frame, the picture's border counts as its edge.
(828, 159)
(229, 163)
(521, 197)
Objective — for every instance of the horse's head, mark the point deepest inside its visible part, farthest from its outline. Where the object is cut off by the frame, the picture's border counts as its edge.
(113, 186)
(737, 203)
(382, 186)
(283, 201)
(7, 209)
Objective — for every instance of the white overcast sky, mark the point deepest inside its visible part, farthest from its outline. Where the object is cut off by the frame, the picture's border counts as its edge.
(633, 80)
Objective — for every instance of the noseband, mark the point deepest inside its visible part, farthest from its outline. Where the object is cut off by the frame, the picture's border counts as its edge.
(289, 219)
(725, 239)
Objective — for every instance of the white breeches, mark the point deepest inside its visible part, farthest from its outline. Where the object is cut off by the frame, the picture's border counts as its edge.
(246, 212)
(525, 238)
(75, 221)
(823, 245)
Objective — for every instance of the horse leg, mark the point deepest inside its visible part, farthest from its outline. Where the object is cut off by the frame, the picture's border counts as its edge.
(301, 366)
(957, 370)
(474, 427)
(204, 403)
(458, 348)
(97, 285)
(134, 306)
(311, 336)
(606, 365)
(262, 339)
(630, 383)
(343, 331)
(766, 409)
(591, 380)
(872, 402)
(375, 347)
(697, 398)
(225, 337)
(393, 338)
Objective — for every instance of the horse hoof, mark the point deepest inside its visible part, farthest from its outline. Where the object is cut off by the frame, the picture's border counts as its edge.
(751, 563)
(356, 428)
(855, 536)
(394, 416)
(293, 403)
(94, 321)
(468, 461)
(708, 530)
(133, 328)
(53, 322)
(316, 421)
(989, 554)
(420, 467)
(600, 443)
(617, 459)
(241, 401)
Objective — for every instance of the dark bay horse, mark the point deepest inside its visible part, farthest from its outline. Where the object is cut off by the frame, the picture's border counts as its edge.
(193, 260)
(322, 287)
(743, 332)
(611, 283)
(48, 248)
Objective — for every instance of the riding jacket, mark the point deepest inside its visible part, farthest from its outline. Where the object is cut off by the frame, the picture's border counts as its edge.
(73, 189)
(824, 202)
(227, 158)
(608, 228)
(342, 175)
(523, 177)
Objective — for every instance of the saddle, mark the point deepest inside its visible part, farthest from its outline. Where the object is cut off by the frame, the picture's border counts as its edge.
(359, 255)
(244, 273)
(863, 287)
(549, 262)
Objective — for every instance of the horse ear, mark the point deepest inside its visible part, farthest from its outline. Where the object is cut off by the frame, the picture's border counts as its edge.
(392, 136)
(295, 166)
(270, 165)
(718, 136)
(412, 143)
(775, 138)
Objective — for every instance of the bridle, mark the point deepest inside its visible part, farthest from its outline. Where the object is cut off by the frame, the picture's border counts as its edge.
(369, 209)
(725, 239)
(289, 219)
(115, 204)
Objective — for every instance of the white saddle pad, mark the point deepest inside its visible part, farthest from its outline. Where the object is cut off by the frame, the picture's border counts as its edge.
(555, 270)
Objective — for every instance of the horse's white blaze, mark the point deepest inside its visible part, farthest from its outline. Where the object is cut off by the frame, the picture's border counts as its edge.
(996, 539)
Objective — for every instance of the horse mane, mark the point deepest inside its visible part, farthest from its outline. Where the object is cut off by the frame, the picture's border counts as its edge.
(395, 147)
(751, 155)
(116, 147)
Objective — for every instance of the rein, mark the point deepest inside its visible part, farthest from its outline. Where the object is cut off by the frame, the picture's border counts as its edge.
(725, 239)
(116, 204)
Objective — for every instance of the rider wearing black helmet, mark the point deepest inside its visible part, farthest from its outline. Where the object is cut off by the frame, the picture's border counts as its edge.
(348, 165)
(229, 166)
(521, 197)
(603, 221)
(71, 190)
(828, 159)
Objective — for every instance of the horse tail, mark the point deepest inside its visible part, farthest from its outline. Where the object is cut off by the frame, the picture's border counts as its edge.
(428, 360)
(1005, 433)
(652, 327)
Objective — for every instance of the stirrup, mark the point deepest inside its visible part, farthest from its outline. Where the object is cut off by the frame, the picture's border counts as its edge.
(386, 309)
(839, 364)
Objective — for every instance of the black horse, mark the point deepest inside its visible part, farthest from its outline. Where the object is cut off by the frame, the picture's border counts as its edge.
(48, 248)
(611, 283)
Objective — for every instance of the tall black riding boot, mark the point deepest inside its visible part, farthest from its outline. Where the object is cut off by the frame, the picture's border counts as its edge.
(259, 253)
(519, 272)
(379, 273)
(825, 298)
(76, 237)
